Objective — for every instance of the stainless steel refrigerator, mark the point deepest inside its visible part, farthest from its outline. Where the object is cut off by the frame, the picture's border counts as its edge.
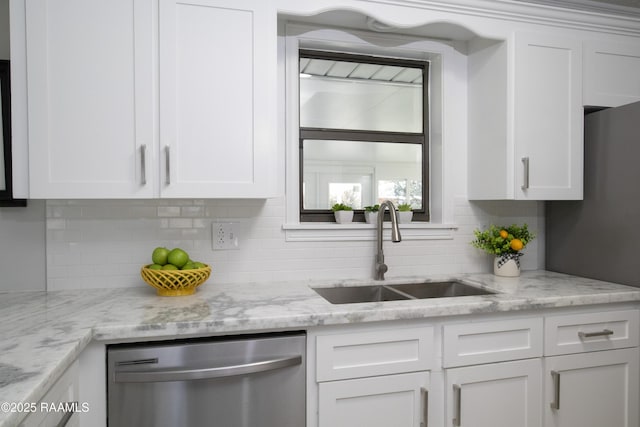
(599, 237)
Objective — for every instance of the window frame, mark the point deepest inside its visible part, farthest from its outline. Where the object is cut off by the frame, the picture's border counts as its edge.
(422, 138)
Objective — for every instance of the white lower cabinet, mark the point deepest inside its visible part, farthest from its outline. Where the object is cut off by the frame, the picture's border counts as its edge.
(592, 389)
(60, 406)
(390, 400)
(503, 394)
(591, 369)
(560, 368)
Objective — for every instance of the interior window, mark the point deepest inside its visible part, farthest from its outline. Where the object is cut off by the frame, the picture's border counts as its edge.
(363, 133)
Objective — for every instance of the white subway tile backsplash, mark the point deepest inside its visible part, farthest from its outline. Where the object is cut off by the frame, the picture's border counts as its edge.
(103, 243)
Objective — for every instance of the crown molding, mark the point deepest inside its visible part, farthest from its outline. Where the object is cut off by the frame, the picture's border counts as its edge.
(576, 14)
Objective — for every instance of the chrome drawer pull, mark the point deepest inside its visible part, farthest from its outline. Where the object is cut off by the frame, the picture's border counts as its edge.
(525, 180)
(457, 404)
(143, 164)
(167, 165)
(424, 393)
(603, 333)
(555, 377)
(67, 416)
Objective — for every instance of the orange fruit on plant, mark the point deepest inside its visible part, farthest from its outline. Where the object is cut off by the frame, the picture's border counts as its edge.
(504, 234)
(516, 244)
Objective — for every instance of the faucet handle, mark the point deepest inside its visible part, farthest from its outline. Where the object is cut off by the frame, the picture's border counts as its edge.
(381, 268)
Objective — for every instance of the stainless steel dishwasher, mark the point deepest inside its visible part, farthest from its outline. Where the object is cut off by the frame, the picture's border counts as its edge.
(238, 381)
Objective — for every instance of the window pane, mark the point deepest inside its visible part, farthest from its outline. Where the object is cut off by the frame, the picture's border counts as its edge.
(356, 96)
(360, 173)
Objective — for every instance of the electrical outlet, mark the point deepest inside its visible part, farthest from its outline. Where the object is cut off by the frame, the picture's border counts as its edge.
(225, 236)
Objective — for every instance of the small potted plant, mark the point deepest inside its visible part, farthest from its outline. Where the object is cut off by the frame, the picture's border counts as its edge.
(405, 214)
(343, 213)
(371, 213)
(505, 244)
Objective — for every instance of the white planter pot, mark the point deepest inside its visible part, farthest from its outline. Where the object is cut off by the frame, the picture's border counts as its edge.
(343, 217)
(405, 217)
(371, 217)
(506, 268)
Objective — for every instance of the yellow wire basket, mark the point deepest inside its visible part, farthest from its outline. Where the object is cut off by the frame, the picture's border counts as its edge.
(173, 283)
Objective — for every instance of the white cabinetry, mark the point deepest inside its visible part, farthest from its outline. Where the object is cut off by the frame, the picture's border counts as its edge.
(592, 389)
(570, 368)
(99, 127)
(90, 98)
(391, 400)
(611, 73)
(592, 376)
(373, 377)
(525, 118)
(503, 394)
(494, 394)
(217, 98)
(62, 395)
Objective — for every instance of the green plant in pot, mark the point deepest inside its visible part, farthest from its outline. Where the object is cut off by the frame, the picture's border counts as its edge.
(405, 213)
(371, 213)
(505, 244)
(342, 213)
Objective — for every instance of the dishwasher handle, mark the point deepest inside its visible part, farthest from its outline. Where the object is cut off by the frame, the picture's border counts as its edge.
(163, 375)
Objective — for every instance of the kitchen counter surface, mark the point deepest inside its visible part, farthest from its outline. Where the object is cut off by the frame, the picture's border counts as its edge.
(41, 333)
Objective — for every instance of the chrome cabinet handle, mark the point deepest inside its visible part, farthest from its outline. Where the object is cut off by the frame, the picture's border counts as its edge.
(143, 164)
(457, 405)
(603, 333)
(525, 180)
(555, 377)
(424, 397)
(161, 375)
(67, 416)
(167, 165)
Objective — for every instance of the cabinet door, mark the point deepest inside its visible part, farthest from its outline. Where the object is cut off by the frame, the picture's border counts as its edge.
(90, 102)
(60, 405)
(390, 400)
(217, 98)
(548, 117)
(504, 394)
(611, 74)
(592, 389)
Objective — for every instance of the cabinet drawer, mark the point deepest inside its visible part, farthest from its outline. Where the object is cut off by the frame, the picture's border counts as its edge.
(381, 352)
(577, 333)
(494, 341)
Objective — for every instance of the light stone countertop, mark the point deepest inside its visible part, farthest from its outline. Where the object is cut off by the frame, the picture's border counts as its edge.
(42, 333)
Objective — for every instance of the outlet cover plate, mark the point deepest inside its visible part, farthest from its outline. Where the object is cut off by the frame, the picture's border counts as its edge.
(225, 236)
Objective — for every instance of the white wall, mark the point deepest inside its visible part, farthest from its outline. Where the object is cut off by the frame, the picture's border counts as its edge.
(22, 247)
(99, 244)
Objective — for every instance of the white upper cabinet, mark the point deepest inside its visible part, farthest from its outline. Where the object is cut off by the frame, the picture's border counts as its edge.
(90, 101)
(139, 99)
(217, 98)
(611, 73)
(526, 118)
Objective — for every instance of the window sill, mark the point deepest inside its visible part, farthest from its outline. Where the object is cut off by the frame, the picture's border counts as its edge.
(331, 232)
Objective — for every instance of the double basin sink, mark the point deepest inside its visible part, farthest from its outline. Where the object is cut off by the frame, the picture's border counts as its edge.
(396, 292)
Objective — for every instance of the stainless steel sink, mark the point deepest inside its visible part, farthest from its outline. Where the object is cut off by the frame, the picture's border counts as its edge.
(440, 289)
(353, 294)
(403, 291)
